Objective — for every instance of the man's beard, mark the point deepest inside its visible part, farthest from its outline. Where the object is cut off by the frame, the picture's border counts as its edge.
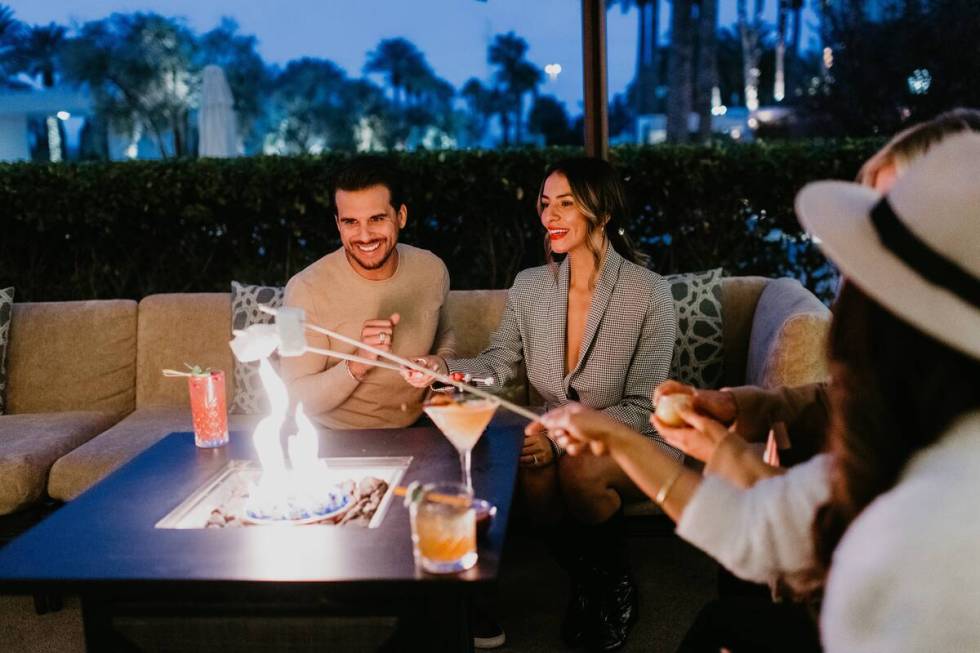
(352, 252)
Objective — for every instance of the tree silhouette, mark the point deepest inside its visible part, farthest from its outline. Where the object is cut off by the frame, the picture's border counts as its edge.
(514, 78)
(140, 69)
(402, 64)
(679, 70)
(549, 119)
(646, 78)
(40, 49)
(11, 30)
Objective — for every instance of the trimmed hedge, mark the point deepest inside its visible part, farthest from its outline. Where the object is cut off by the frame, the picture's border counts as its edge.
(107, 230)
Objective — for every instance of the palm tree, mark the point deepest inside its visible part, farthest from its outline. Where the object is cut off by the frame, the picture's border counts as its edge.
(751, 35)
(679, 74)
(10, 35)
(400, 62)
(707, 72)
(647, 66)
(779, 82)
(515, 77)
(40, 49)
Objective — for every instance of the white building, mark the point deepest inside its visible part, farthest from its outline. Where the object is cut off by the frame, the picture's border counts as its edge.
(60, 110)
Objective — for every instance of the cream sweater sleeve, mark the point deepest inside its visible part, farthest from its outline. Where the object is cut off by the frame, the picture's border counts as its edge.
(763, 533)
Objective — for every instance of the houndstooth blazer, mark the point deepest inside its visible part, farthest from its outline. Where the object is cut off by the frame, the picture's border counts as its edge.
(626, 348)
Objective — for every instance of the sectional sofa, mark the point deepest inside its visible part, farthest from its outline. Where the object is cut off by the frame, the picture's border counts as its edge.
(85, 391)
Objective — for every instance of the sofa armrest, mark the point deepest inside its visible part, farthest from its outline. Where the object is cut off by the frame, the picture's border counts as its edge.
(788, 342)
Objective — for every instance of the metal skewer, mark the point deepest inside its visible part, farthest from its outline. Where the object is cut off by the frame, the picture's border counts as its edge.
(404, 362)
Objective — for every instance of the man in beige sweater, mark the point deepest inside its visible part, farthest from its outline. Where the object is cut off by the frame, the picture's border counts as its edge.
(385, 294)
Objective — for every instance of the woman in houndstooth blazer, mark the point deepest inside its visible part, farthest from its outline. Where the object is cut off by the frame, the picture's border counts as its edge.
(596, 328)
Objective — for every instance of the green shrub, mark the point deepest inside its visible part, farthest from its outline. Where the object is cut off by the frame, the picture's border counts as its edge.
(103, 230)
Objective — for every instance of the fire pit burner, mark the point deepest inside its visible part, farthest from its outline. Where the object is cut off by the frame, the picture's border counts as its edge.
(361, 491)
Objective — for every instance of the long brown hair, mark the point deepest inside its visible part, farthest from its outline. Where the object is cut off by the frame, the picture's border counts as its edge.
(598, 193)
(894, 391)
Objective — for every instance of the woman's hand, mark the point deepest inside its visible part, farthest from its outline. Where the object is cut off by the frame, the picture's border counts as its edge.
(698, 438)
(537, 451)
(577, 428)
(420, 380)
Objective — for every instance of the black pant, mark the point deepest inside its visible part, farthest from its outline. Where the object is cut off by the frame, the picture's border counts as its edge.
(750, 624)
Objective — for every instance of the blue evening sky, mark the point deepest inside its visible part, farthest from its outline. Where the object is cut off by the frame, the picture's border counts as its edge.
(453, 34)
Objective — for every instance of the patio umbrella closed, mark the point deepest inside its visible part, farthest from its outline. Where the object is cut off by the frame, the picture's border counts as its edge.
(217, 127)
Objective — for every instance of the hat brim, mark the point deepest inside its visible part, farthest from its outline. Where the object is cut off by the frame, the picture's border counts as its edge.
(837, 213)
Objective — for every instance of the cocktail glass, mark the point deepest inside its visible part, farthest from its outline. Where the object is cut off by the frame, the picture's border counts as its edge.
(207, 392)
(444, 528)
(463, 422)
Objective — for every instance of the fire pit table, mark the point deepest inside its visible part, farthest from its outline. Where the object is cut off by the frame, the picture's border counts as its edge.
(129, 545)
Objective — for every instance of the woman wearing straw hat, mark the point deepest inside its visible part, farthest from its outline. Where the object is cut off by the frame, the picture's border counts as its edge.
(887, 519)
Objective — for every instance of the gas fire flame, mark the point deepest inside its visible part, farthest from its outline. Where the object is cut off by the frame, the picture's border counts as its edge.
(301, 489)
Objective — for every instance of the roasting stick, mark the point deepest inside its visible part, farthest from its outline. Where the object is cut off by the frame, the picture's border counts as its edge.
(329, 353)
(444, 378)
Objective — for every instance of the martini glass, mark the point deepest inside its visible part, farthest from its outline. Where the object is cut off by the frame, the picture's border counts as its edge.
(463, 421)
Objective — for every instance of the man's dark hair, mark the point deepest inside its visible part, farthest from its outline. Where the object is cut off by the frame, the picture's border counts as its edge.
(366, 171)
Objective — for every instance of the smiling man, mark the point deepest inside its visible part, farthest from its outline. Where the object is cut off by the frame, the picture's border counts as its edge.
(385, 294)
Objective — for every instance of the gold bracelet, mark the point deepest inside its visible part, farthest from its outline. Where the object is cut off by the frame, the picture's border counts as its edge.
(667, 487)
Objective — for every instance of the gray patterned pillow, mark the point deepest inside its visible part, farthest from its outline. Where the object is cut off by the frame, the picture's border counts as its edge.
(245, 300)
(698, 353)
(6, 309)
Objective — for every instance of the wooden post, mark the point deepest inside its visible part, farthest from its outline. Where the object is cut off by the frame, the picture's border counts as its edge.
(594, 78)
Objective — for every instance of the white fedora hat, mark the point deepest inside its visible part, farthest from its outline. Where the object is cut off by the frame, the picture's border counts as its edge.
(916, 250)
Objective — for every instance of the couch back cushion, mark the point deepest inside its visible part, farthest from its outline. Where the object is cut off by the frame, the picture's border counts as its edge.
(78, 355)
(475, 315)
(181, 328)
(789, 337)
(739, 297)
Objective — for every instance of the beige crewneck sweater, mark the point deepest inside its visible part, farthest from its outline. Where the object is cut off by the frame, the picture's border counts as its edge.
(335, 296)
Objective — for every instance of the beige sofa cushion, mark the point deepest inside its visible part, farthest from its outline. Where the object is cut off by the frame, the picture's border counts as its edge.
(739, 297)
(181, 328)
(75, 472)
(789, 337)
(475, 315)
(31, 442)
(68, 356)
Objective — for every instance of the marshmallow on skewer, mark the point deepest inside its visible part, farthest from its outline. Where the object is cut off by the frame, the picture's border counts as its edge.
(256, 342)
(290, 328)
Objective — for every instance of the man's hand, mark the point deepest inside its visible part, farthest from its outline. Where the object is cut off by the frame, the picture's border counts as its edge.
(419, 380)
(378, 334)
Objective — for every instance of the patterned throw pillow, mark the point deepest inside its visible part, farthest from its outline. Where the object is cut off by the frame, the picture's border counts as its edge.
(245, 300)
(698, 353)
(6, 309)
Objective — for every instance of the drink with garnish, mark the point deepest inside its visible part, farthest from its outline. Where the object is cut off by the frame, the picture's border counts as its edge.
(443, 527)
(208, 411)
(462, 420)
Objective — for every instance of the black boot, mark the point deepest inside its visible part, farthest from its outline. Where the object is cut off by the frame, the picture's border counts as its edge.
(566, 546)
(615, 606)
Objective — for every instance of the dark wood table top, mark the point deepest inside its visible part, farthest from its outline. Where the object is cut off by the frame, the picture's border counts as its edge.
(105, 539)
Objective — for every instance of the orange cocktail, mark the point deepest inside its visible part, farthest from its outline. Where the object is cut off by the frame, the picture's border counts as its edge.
(444, 532)
(462, 421)
(207, 393)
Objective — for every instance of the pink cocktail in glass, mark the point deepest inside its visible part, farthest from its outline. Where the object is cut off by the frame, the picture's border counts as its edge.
(207, 393)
